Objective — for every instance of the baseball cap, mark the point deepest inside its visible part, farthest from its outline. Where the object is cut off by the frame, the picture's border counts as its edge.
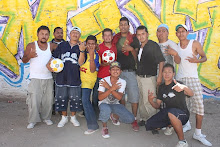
(115, 64)
(163, 25)
(75, 29)
(181, 26)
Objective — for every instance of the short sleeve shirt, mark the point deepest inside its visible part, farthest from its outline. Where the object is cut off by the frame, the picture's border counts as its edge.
(111, 99)
(172, 98)
(70, 75)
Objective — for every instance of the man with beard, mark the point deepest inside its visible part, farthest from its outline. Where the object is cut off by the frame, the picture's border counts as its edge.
(40, 89)
(58, 35)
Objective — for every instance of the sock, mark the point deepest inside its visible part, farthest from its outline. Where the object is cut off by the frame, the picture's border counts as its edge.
(183, 140)
(135, 118)
(198, 132)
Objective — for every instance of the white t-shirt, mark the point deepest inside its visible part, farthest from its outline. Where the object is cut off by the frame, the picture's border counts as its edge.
(111, 99)
(163, 46)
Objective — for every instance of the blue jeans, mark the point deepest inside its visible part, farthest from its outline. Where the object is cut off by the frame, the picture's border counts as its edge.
(88, 109)
(95, 95)
(125, 116)
(65, 95)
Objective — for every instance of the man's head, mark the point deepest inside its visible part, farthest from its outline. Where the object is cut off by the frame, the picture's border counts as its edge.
(107, 35)
(91, 42)
(58, 34)
(124, 25)
(75, 34)
(182, 32)
(142, 34)
(43, 34)
(115, 69)
(162, 33)
(168, 72)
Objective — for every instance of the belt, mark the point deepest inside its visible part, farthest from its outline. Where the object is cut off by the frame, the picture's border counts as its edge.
(145, 76)
(128, 70)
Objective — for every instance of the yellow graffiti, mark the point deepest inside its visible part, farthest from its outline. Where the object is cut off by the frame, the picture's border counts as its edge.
(50, 13)
(106, 14)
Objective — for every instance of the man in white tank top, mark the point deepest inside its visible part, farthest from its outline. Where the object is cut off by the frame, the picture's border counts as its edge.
(40, 89)
(188, 50)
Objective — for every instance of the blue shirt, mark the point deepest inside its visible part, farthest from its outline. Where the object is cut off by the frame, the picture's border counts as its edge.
(70, 75)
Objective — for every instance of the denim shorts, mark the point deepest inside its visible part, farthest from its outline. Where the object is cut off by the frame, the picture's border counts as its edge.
(65, 95)
(161, 119)
(131, 90)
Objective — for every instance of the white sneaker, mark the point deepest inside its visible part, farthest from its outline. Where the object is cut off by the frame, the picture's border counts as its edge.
(168, 131)
(63, 121)
(89, 131)
(187, 127)
(74, 121)
(31, 125)
(202, 139)
(48, 122)
(182, 144)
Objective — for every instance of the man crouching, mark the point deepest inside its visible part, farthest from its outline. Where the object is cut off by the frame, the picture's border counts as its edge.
(176, 113)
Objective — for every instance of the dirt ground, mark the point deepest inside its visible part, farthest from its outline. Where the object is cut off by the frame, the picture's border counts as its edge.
(13, 131)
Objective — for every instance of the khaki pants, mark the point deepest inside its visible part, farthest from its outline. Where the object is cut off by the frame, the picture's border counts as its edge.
(40, 99)
(145, 108)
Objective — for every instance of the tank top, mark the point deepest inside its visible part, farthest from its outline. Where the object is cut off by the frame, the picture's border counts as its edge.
(186, 69)
(38, 69)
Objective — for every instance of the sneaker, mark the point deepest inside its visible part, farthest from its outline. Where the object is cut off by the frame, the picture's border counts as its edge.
(74, 121)
(114, 121)
(202, 139)
(31, 125)
(63, 121)
(105, 133)
(155, 132)
(89, 131)
(135, 126)
(141, 123)
(168, 131)
(186, 127)
(48, 122)
(182, 144)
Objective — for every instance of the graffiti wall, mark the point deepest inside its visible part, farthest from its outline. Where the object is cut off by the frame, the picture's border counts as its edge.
(19, 20)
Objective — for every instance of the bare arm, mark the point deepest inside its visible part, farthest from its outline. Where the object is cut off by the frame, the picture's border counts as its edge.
(82, 48)
(151, 97)
(92, 61)
(53, 46)
(180, 87)
(198, 50)
(159, 78)
(173, 53)
(29, 53)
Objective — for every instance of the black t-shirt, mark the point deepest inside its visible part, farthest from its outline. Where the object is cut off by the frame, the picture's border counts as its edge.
(127, 62)
(70, 75)
(150, 58)
(172, 98)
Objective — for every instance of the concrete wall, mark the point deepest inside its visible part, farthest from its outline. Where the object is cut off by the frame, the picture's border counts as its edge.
(19, 20)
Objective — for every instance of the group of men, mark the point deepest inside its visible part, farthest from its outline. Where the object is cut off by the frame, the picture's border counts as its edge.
(140, 66)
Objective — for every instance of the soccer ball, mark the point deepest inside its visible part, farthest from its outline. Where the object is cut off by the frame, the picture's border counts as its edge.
(108, 56)
(57, 65)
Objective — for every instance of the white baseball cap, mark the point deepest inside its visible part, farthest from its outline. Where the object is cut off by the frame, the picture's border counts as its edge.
(75, 29)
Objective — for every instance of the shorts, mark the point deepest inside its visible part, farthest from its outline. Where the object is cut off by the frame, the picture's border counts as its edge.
(194, 103)
(64, 95)
(161, 119)
(131, 89)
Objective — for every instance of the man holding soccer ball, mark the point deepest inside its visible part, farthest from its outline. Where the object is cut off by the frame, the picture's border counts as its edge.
(40, 89)
(68, 83)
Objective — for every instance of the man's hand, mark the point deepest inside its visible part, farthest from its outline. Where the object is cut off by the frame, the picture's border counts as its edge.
(48, 65)
(178, 87)
(115, 86)
(192, 59)
(104, 84)
(82, 46)
(170, 51)
(126, 47)
(32, 53)
(150, 96)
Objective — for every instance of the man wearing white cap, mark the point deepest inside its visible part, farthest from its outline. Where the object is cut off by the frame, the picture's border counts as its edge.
(68, 84)
(168, 47)
(189, 50)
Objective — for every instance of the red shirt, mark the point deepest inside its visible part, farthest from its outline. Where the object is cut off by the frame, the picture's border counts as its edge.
(104, 70)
